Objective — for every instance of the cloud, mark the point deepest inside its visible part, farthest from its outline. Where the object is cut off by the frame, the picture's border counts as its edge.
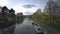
(4, 2)
(25, 6)
(28, 6)
(28, 12)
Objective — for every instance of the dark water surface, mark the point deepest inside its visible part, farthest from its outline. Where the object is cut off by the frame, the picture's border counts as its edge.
(23, 28)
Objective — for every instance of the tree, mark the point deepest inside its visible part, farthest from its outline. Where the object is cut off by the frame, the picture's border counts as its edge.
(37, 14)
(12, 11)
(4, 9)
(20, 15)
(51, 10)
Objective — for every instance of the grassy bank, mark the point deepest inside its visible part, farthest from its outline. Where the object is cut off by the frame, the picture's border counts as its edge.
(51, 25)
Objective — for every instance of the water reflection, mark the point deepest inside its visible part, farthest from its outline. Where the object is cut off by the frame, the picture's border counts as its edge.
(24, 28)
(8, 30)
(20, 22)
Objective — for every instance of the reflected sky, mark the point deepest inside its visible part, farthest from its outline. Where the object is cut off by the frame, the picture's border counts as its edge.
(25, 28)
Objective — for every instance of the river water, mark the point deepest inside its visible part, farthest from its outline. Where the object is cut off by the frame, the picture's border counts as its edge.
(23, 28)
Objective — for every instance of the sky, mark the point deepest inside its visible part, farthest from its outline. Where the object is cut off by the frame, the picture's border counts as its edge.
(27, 7)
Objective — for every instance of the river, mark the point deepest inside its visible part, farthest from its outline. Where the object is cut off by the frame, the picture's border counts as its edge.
(23, 28)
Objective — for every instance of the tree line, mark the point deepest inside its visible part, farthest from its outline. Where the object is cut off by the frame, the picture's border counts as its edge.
(51, 13)
(7, 15)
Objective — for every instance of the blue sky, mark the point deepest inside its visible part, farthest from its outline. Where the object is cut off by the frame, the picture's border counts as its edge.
(26, 6)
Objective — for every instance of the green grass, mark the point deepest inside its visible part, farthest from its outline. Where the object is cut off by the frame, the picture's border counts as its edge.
(52, 25)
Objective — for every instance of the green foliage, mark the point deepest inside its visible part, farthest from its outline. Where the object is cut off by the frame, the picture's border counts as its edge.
(50, 17)
(52, 9)
(8, 16)
(19, 20)
(43, 16)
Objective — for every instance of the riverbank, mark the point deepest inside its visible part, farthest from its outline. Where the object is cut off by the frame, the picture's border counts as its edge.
(49, 27)
(6, 24)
